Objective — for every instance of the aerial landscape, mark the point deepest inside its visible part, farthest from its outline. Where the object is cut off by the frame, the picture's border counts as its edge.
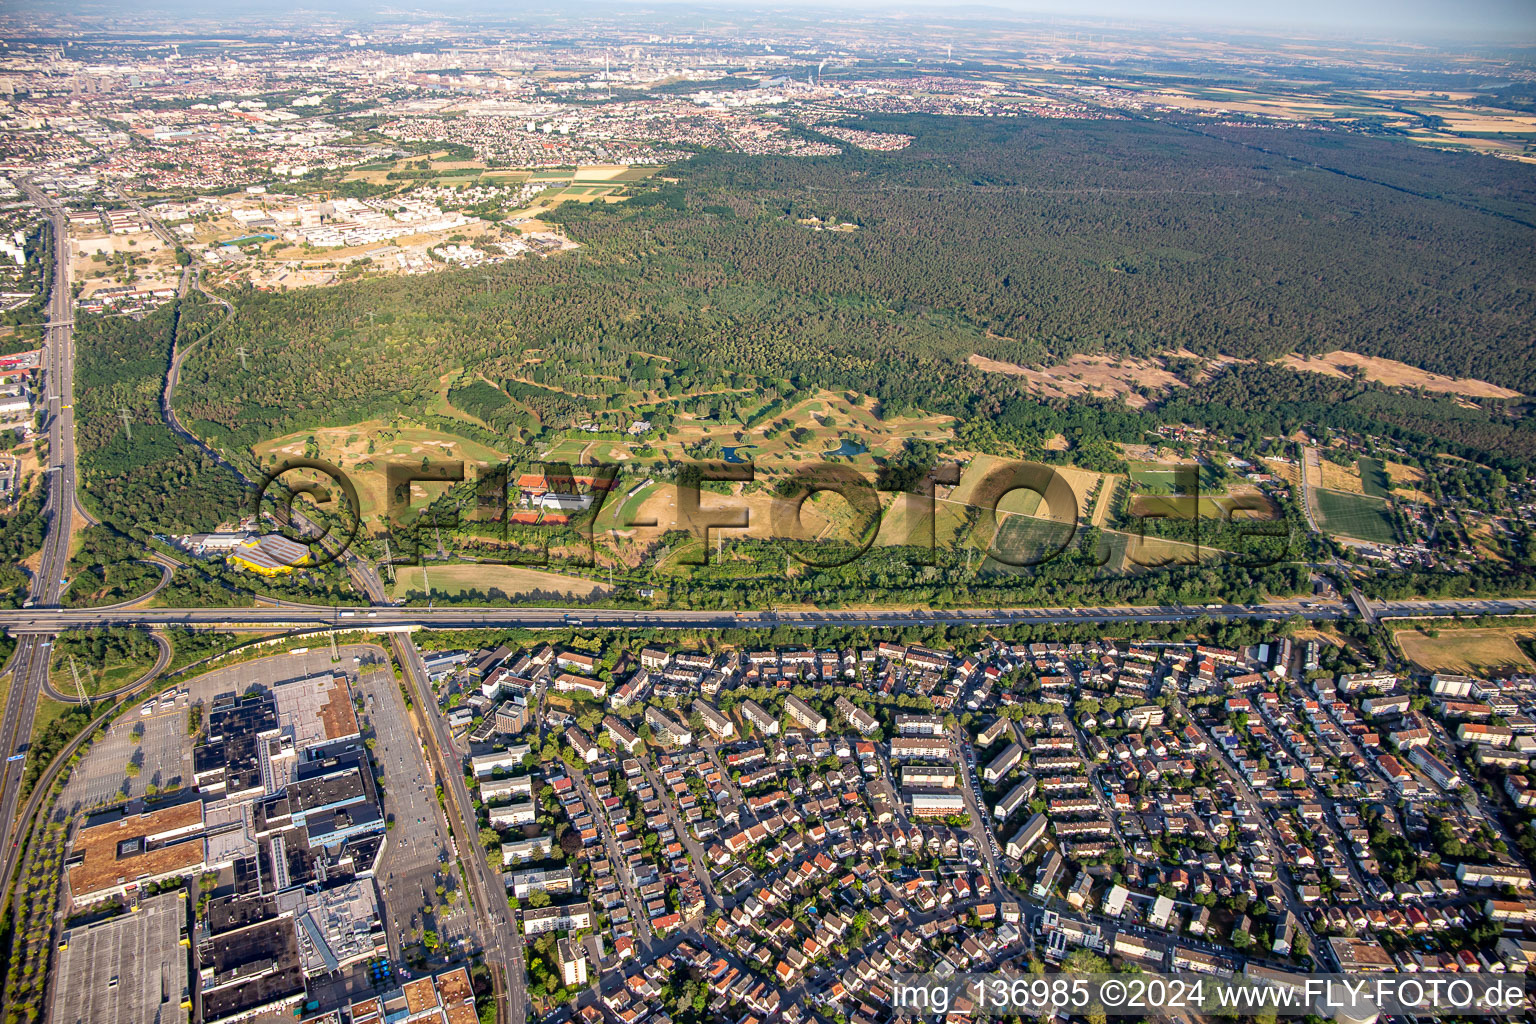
(671, 513)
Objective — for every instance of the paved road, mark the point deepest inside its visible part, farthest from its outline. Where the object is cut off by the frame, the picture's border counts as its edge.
(1311, 465)
(699, 862)
(981, 824)
(417, 846)
(162, 659)
(30, 664)
(1282, 881)
(32, 621)
(502, 942)
(639, 920)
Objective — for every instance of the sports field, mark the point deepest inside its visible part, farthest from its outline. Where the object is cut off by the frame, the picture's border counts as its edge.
(1163, 478)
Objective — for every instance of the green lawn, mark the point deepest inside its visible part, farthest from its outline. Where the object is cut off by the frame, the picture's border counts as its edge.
(619, 512)
(1356, 515)
(1374, 479)
(1161, 478)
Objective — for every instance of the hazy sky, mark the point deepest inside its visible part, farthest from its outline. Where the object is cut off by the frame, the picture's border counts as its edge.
(1499, 21)
(1389, 17)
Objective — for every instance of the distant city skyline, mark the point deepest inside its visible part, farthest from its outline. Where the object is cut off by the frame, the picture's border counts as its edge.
(1490, 21)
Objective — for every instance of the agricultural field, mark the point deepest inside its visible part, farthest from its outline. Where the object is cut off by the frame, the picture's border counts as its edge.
(907, 520)
(1140, 554)
(1085, 486)
(1355, 516)
(1439, 120)
(1470, 651)
(1105, 499)
(1024, 542)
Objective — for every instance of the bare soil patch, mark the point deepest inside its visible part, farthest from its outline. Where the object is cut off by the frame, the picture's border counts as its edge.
(1395, 374)
(1102, 375)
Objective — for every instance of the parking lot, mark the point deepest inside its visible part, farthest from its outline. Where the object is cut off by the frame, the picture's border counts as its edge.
(417, 846)
(162, 754)
(416, 849)
(164, 750)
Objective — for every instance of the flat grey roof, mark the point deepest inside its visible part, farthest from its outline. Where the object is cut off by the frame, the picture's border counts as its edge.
(130, 969)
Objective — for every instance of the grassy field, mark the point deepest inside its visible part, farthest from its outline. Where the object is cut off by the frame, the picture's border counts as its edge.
(1207, 506)
(1024, 542)
(1468, 651)
(1139, 554)
(1020, 503)
(567, 450)
(1344, 479)
(454, 580)
(48, 712)
(98, 680)
(363, 450)
(1111, 552)
(619, 512)
(1156, 476)
(1356, 516)
(908, 520)
(1287, 471)
(1406, 481)
(1374, 480)
(1156, 506)
(1085, 485)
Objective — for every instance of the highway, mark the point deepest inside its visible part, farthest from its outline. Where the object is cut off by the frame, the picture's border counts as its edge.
(29, 666)
(37, 625)
(27, 622)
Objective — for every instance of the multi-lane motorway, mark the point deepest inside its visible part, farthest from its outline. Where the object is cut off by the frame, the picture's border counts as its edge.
(29, 665)
(43, 621)
(36, 625)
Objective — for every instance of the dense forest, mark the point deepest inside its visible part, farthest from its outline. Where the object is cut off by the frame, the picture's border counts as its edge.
(144, 480)
(21, 535)
(134, 470)
(718, 293)
(1019, 240)
(1264, 399)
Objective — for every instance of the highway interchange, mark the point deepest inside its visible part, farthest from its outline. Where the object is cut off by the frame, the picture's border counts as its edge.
(30, 662)
(35, 626)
